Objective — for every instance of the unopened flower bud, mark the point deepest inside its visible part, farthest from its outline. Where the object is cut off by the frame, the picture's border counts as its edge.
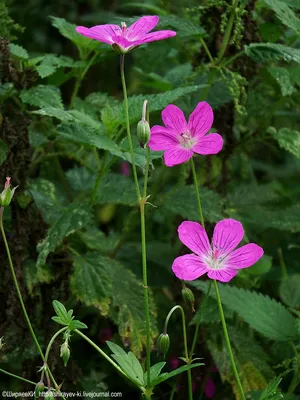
(1, 342)
(49, 395)
(39, 389)
(65, 352)
(188, 297)
(7, 194)
(143, 132)
(163, 344)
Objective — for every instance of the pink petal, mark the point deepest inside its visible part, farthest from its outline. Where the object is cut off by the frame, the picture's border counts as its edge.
(189, 267)
(142, 26)
(227, 235)
(193, 236)
(177, 155)
(103, 33)
(245, 256)
(201, 119)
(158, 35)
(174, 118)
(123, 42)
(161, 138)
(210, 389)
(209, 144)
(222, 275)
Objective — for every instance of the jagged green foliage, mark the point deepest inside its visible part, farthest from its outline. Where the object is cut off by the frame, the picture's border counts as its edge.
(262, 313)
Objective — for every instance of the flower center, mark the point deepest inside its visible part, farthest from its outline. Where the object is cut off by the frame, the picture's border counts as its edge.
(186, 140)
(216, 258)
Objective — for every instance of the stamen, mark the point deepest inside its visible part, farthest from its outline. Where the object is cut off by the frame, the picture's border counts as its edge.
(123, 26)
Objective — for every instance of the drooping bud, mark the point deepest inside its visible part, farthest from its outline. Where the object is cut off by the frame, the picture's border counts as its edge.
(188, 297)
(65, 352)
(1, 342)
(7, 194)
(143, 127)
(163, 344)
(49, 395)
(39, 389)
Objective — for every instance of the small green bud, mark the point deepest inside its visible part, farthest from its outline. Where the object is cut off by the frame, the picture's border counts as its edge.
(65, 352)
(39, 389)
(143, 132)
(49, 395)
(163, 344)
(188, 297)
(7, 194)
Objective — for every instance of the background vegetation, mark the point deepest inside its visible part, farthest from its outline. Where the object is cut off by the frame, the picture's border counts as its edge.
(62, 126)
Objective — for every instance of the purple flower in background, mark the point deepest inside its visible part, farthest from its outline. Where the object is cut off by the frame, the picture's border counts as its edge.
(124, 39)
(210, 388)
(180, 139)
(219, 260)
(125, 168)
(174, 362)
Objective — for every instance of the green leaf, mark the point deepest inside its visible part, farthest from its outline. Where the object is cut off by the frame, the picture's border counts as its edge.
(285, 14)
(116, 189)
(262, 313)
(288, 139)
(49, 63)
(178, 371)
(283, 78)
(129, 364)
(73, 218)
(155, 370)
(116, 349)
(264, 52)
(182, 201)
(18, 51)
(68, 30)
(75, 324)
(61, 312)
(270, 390)
(48, 199)
(116, 292)
(42, 96)
(156, 103)
(262, 266)
(183, 27)
(290, 291)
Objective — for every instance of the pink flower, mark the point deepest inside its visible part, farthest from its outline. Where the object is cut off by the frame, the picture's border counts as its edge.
(210, 389)
(219, 260)
(124, 39)
(125, 168)
(180, 139)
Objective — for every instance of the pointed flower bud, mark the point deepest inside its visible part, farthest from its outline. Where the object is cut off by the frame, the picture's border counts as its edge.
(7, 194)
(49, 395)
(188, 297)
(65, 352)
(163, 344)
(39, 389)
(143, 127)
(1, 342)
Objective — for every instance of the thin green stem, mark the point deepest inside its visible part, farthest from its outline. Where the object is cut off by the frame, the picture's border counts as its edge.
(137, 187)
(146, 290)
(207, 50)
(199, 317)
(80, 78)
(197, 192)
(188, 359)
(17, 377)
(52, 341)
(146, 173)
(228, 31)
(17, 286)
(103, 354)
(227, 340)
(21, 298)
(232, 59)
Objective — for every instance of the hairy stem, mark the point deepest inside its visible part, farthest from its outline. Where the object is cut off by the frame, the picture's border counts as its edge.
(227, 340)
(199, 317)
(21, 298)
(17, 377)
(188, 359)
